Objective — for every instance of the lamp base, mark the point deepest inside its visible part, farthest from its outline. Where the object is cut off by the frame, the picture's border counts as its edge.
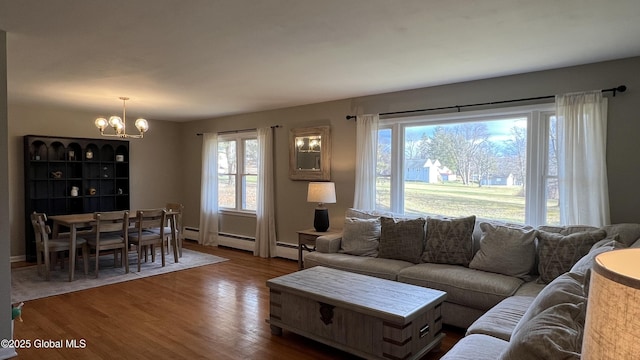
(321, 220)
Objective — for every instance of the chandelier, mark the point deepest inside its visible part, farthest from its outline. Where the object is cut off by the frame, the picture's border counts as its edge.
(119, 125)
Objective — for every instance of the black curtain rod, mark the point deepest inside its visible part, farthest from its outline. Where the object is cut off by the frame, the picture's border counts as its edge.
(621, 88)
(241, 130)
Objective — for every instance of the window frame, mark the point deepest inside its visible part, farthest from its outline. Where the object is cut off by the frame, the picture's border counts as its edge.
(536, 159)
(241, 171)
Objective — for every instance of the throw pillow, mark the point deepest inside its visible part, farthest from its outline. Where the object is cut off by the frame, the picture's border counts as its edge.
(566, 288)
(401, 239)
(361, 236)
(505, 250)
(449, 241)
(556, 333)
(361, 214)
(558, 253)
(586, 262)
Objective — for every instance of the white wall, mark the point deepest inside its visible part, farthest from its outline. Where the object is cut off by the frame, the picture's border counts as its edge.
(5, 267)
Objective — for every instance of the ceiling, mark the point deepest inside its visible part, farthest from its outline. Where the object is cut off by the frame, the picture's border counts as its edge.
(198, 59)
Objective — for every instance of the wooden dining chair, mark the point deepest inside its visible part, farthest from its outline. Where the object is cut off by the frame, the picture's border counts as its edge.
(142, 236)
(175, 209)
(48, 247)
(110, 233)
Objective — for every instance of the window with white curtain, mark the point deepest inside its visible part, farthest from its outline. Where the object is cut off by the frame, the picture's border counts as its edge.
(498, 164)
(238, 171)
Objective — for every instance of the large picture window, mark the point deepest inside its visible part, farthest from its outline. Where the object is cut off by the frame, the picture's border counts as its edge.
(238, 171)
(498, 164)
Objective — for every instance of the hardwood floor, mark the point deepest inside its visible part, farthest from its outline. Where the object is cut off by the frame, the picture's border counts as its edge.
(210, 312)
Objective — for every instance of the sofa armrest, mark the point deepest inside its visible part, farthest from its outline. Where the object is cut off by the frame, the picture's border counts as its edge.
(329, 243)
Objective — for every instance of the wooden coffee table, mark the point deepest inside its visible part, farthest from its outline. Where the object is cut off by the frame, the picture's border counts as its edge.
(366, 316)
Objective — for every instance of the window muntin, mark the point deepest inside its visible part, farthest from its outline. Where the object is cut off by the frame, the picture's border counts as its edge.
(475, 163)
(238, 171)
(250, 175)
(552, 195)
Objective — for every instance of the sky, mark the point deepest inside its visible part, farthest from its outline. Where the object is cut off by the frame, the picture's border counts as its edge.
(499, 130)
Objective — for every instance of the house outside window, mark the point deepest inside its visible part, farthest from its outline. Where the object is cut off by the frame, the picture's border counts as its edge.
(238, 171)
(498, 164)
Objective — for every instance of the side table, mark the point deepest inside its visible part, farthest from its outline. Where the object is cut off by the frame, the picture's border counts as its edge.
(307, 241)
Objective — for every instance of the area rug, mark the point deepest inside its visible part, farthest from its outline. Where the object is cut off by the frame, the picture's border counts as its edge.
(26, 284)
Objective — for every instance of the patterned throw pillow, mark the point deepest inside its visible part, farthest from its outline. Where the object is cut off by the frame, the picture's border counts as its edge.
(361, 236)
(401, 239)
(506, 250)
(558, 253)
(449, 241)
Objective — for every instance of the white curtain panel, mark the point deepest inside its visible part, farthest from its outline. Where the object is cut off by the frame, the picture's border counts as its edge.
(209, 191)
(265, 213)
(582, 167)
(366, 160)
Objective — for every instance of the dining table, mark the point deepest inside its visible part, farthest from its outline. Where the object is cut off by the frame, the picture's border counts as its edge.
(85, 220)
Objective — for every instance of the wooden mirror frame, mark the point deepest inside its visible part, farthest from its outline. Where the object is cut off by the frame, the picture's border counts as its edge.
(324, 172)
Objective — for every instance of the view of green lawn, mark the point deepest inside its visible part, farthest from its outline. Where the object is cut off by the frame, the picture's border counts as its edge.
(455, 199)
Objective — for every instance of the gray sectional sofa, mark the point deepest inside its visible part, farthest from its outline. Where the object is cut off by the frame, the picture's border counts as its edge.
(497, 280)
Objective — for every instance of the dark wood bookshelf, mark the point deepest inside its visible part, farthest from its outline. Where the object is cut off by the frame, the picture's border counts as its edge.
(53, 166)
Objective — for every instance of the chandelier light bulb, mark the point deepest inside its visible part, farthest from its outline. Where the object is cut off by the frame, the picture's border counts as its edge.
(114, 121)
(142, 125)
(101, 123)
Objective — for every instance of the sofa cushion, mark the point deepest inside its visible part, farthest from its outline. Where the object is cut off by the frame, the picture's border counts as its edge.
(476, 347)
(530, 288)
(566, 288)
(558, 253)
(401, 239)
(506, 250)
(501, 320)
(377, 267)
(474, 288)
(555, 333)
(449, 241)
(361, 236)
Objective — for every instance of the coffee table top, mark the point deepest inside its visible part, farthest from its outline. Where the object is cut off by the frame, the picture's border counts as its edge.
(390, 300)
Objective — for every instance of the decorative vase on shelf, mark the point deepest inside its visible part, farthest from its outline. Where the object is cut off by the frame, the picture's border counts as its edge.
(74, 190)
(89, 154)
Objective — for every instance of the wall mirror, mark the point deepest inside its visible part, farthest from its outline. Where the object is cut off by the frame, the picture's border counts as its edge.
(310, 153)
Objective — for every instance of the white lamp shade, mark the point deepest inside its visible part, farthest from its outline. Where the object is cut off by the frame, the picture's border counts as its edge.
(612, 326)
(322, 192)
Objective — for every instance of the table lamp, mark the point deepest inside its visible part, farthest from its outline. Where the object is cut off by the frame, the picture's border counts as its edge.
(612, 326)
(321, 193)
